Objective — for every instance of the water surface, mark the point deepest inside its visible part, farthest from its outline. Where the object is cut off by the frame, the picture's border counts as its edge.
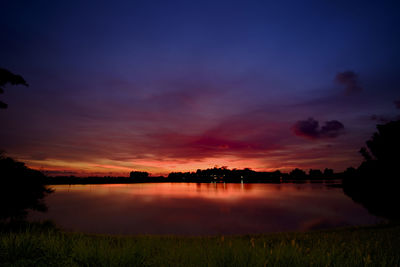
(200, 209)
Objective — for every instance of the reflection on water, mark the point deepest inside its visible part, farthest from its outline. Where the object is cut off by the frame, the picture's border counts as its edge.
(193, 209)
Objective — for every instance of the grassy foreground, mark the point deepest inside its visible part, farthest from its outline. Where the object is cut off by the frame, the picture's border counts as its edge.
(38, 245)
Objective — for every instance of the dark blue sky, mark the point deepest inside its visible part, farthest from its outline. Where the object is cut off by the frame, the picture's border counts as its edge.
(180, 85)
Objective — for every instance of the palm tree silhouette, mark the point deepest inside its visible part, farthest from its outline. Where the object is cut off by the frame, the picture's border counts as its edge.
(7, 77)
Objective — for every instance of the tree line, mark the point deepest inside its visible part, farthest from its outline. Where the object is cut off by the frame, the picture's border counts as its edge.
(216, 174)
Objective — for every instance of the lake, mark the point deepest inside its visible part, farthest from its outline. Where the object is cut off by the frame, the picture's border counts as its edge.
(200, 209)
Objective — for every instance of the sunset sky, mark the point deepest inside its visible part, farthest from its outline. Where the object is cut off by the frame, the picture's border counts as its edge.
(163, 86)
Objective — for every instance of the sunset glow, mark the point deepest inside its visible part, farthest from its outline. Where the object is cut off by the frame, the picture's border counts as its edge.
(165, 87)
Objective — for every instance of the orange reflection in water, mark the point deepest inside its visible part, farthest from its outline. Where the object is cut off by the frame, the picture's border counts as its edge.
(191, 190)
(192, 209)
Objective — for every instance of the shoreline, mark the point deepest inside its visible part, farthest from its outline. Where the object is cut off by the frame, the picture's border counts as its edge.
(333, 183)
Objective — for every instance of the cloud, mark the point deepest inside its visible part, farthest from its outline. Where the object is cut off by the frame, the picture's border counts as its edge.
(307, 128)
(310, 129)
(349, 80)
(332, 129)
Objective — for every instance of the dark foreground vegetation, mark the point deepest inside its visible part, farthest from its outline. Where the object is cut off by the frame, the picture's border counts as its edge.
(43, 245)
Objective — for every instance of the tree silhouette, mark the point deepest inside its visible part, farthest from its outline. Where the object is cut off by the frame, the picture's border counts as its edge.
(7, 77)
(383, 153)
(138, 175)
(21, 189)
(374, 183)
(315, 174)
(298, 174)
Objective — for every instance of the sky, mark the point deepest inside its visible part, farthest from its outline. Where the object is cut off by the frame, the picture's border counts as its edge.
(164, 86)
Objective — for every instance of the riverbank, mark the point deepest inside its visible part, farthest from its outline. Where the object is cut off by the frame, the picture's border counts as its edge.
(44, 245)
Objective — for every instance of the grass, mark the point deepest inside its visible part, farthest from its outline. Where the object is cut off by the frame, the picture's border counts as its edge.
(44, 245)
